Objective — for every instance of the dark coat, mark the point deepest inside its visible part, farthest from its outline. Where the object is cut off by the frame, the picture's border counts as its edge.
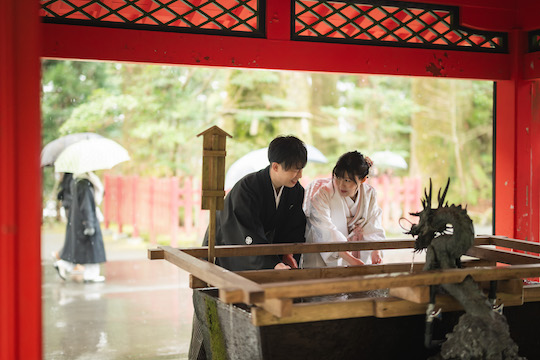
(64, 194)
(250, 216)
(79, 248)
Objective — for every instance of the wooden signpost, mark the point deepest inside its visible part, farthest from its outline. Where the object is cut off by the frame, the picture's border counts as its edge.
(213, 179)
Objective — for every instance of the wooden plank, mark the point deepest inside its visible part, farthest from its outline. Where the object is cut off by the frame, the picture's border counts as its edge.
(196, 283)
(302, 248)
(277, 307)
(156, 254)
(298, 248)
(215, 153)
(307, 312)
(416, 294)
(381, 281)
(511, 286)
(516, 244)
(391, 306)
(531, 293)
(212, 231)
(232, 295)
(213, 193)
(503, 256)
(269, 276)
(420, 294)
(215, 275)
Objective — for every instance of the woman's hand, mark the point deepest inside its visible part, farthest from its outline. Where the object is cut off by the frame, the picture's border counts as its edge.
(376, 257)
(350, 258)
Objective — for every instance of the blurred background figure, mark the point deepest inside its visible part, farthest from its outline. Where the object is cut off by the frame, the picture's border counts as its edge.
(83, 242)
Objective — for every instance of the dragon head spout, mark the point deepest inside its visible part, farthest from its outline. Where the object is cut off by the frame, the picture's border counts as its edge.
(427, 227)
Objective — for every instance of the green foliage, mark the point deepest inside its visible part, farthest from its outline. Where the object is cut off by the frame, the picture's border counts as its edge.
(442, 127)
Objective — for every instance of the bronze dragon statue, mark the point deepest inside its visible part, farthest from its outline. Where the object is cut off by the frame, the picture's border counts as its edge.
(446, 233)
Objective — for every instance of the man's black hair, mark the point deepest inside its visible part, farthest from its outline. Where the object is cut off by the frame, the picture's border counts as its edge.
(288, 151)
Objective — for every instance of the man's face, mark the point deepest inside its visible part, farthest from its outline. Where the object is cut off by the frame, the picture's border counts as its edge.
(283, 177)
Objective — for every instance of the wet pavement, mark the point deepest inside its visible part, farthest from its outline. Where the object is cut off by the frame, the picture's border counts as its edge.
(143, 310)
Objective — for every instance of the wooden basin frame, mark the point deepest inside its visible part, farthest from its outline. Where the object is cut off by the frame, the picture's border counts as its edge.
(270, 294)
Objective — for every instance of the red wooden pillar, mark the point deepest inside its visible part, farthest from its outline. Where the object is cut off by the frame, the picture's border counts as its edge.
(517, 166)
(506, 112)
(535, 161)
(20, 182)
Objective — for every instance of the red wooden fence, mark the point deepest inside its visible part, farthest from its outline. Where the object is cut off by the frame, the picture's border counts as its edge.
(397, 197)
(172, 206)
(157, 206)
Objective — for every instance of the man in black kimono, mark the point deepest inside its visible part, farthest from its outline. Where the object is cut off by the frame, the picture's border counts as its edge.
(265, 207)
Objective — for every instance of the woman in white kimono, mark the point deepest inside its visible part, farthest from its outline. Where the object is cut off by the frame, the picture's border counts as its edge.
(343, 208)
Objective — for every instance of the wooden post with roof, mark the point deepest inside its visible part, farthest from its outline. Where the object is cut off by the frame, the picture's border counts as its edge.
(213, 179)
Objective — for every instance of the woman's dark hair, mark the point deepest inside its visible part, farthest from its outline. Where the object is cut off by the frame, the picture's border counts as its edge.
(288, 151)
(354, 164)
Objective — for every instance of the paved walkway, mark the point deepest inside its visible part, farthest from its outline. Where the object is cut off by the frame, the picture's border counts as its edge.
(143, 311)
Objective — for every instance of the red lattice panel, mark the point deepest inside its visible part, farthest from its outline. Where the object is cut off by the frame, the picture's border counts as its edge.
(419, 25)
(229, 15)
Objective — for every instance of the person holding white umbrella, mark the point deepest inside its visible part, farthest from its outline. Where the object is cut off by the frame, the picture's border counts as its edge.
(84, 241)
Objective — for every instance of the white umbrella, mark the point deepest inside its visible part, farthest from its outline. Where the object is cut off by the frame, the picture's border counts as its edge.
(257, 160)
(52, 150)
(388, 160)
(90, 155)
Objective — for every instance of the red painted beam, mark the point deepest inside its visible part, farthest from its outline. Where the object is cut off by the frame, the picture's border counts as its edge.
(527, 15)
(20, 184)
(504, 162)
(517, 192)
(91, 43)
(535, 162)
(531, 66)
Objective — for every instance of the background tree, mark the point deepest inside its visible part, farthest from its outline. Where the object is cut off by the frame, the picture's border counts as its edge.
(442, 127)
(453, 136)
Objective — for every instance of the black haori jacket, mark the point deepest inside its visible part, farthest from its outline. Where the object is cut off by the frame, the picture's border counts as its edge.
(250, 217)
(79, 248)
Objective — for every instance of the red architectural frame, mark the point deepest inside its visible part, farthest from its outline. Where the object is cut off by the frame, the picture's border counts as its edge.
(24, 40)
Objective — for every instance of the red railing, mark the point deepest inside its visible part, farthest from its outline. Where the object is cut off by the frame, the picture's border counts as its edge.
(164, 206)
(397, 197)
(172, 206)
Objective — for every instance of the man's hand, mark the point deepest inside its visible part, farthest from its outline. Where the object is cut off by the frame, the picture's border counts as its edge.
(290, 260)
(89, 231)
(282, 266)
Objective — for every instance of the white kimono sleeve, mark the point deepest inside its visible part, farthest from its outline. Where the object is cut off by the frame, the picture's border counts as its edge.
(372, 227)
(320, 226)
